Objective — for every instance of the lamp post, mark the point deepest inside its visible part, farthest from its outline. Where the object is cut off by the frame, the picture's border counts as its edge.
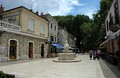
(81, 47)
(75, 42)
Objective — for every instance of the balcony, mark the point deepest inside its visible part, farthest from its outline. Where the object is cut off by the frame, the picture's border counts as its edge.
(42, 35)
(9, 26)
(114, 27)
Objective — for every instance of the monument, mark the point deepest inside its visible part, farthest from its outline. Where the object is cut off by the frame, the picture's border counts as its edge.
(67, 55)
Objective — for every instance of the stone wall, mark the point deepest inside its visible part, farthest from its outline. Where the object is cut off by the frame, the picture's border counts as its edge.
(22, 47)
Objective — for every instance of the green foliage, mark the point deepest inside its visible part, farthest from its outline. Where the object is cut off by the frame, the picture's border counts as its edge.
(2, 75)
(99, 19)
(104, 6)
(73, 24)
(90, 35)
(90, 32)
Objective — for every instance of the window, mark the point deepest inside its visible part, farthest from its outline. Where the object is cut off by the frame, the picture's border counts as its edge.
(31, 25)
(51, 38)
(107, 25)
(55, 27)
(58, 33)
(55, 38)
(111, 20)
(116, 11)
(10, 19)
(51, 25)
(58, 41)
(42, 29)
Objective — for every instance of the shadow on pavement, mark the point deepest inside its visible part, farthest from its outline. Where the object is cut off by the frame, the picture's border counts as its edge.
(109, 70)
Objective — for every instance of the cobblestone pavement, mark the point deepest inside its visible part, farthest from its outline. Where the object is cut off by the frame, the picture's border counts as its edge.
(46, 68)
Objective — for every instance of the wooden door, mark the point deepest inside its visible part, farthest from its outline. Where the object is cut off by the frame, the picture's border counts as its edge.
(13, 50)
(30, 50)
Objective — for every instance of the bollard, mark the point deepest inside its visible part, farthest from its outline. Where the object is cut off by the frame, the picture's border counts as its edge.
(53, 54)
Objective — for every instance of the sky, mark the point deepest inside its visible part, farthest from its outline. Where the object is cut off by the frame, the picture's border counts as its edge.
(56, 7)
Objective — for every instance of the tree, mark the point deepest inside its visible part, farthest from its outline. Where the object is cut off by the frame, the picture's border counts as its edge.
(72, 24)
(104, 6)
(90, 32)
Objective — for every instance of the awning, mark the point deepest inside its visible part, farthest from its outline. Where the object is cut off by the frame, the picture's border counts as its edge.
(57, 45)
(116, 34)
(103, 42)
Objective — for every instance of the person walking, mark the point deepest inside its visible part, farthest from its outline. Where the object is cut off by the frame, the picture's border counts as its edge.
(94, 54)
(90, 54)
(98, 54)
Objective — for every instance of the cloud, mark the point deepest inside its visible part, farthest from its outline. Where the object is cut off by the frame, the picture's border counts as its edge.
(77, 3)
(35, 4)
(54, 7)
(90, 13)
(65, 7)
(87, 11)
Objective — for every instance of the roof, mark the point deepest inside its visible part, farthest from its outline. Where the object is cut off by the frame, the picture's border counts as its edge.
(27, 10)
(46, 16)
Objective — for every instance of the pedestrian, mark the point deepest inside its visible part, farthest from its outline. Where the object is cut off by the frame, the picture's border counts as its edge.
(98, 54)
(42, 50)
(94, 54)
(90, 54)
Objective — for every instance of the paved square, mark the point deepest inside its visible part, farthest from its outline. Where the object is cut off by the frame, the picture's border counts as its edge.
(46, 68)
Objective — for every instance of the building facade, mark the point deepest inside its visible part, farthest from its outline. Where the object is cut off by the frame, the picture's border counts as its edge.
(63, 35)
(72, 40)
(112, 24)
(22, 33)
(53, 28)
(52, 34)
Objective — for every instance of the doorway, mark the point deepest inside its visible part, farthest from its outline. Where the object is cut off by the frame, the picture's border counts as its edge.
(13, 50)
(30, 51)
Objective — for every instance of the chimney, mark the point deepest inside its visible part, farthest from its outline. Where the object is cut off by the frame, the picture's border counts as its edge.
(42, 14)
(31, 10)
(1, 9)
(37, 13)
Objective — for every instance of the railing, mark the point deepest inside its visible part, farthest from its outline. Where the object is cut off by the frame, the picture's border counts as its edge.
(9, 26)
(42, 35)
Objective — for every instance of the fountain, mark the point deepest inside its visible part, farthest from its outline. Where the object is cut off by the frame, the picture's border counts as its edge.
(67, 55)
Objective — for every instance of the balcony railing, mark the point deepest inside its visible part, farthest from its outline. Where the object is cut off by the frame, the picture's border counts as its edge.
(42, 35)
(9, 26)
(114, 27)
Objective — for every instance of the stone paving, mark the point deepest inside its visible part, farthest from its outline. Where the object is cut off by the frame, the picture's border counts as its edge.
(46, 68)
(109, 70)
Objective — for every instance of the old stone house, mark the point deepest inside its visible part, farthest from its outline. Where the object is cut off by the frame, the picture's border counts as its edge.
(22, 32)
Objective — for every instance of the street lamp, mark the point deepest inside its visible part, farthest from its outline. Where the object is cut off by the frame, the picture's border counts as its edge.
(75, 42)
(75, 39)
(81, 47)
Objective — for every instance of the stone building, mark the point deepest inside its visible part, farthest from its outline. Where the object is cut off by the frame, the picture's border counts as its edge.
(63, 35)
(52, 33)
(112, 24)
(22, 32)
(53, 28)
